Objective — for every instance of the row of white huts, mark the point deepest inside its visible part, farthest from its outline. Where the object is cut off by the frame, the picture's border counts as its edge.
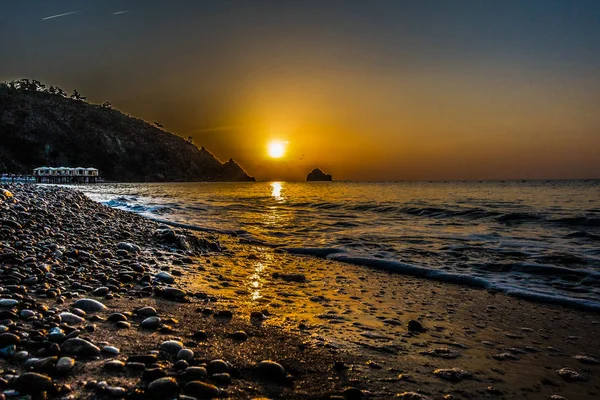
(66, 174)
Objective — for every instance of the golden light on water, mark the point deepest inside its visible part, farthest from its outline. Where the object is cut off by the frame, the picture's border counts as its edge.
(276, 148)
(276, 191)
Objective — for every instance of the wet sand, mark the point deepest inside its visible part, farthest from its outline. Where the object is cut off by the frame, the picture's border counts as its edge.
(336, 329)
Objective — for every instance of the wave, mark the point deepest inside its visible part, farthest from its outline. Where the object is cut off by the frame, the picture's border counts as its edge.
(457, 278)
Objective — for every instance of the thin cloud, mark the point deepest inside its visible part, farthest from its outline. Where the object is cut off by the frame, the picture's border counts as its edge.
(59, 15)
(120, 12)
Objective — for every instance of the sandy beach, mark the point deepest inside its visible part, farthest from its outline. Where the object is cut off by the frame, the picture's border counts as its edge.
(102, 303)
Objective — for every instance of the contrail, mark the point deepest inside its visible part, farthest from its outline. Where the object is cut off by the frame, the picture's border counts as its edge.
(59, 15)
(120, 12)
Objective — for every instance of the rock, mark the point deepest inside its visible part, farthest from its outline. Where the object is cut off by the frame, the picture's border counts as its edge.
(185, 354)
(111, 350)
(270, 370)
(221, 379)
(80, 347)
(569, 374)
(217, 366)
(7, 339)
(115, 365)
(116, 317)
(71, 319)
(163, 388)
(146, 312)
(586, 360)
(26, 314)
(6, 193)
(352, 393)
(101, 291)
(164, 276)
(64, 365)
(441, 352)
(89, 305)
(452, 374)
(7, 303)
(415, 326)
(33, 383)
(173, 293)
(505, 356)
(202, 390)
(142, 358)
(318, 175)
(151, 323)
(199, 335)
(171, 346)
(129, 247)
(194, 373)
(123, 325)
(239, 335)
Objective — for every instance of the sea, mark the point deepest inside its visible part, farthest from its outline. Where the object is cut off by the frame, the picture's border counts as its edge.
(537, 240)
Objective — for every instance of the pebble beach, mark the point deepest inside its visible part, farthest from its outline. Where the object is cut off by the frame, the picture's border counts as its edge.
(97, 302)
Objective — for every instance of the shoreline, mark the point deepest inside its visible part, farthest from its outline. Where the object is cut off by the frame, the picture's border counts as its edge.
(323, 311)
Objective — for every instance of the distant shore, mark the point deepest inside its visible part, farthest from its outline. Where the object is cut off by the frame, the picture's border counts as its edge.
(326, 329)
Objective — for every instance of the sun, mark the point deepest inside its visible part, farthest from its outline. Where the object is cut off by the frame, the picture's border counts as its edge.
(276, 148)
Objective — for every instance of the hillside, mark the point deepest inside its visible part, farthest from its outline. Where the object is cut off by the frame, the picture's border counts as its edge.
(46, 128)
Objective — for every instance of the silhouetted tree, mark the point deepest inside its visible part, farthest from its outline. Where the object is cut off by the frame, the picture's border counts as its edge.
(158, 125)
(76, 96)
(61, 92)
(52, 90)
(107, 105)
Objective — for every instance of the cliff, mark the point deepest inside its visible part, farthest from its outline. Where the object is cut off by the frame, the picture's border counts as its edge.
(41, 128)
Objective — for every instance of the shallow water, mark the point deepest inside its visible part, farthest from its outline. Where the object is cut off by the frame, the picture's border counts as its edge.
(537, 239)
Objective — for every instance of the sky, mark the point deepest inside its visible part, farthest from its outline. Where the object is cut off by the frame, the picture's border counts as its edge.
(365, 90)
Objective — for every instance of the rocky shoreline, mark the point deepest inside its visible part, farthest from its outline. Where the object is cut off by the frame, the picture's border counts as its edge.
(101, 303)
(90, 307)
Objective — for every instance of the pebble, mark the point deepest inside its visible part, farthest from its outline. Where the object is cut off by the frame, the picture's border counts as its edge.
(111, 350)
(147, 312)
(171, 346)
(270, 370)
(586, 360)
(185, 354)
(89, 305)
(202, 390)
(164, 276)
(33, 383)
(151, 323)
(194, 373)
(453, 374)
(163, 388)
(64, 365)
(129, 247)
(217, 367)
(569, 374)
(114, 365)
(7, 303)
(80, 347)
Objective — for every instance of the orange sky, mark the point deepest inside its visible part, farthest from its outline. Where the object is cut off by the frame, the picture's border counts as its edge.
(386, 90)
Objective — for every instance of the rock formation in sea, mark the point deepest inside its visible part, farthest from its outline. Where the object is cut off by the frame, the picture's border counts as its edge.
(45, 127)
(318, 175)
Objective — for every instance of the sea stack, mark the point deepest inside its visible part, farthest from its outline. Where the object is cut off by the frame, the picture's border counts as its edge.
(318, 175)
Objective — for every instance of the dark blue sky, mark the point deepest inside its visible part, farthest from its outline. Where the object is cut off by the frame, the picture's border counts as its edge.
(411, 80)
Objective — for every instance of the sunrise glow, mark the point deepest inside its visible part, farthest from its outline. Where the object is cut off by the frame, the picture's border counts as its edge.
(276, 148)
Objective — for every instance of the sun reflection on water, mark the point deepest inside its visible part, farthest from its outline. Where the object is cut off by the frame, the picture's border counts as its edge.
(276, 188)
(255, 281)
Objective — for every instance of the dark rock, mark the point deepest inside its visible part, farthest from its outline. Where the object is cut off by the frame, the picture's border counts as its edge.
(415, 326)
(202, 390)
(89, 305)
(80, 347)
(318, 175)
(33, 383)
(270, 370)
(163, 388)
